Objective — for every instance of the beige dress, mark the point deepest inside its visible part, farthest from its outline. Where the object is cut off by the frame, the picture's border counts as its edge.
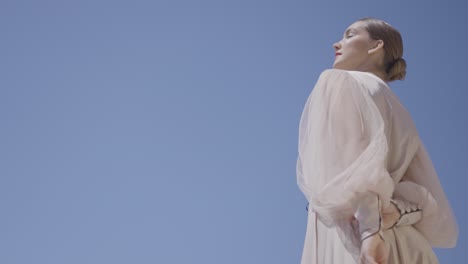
(357, 139)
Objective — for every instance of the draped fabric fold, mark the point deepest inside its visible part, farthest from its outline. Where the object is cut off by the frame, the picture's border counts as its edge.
(420, 185)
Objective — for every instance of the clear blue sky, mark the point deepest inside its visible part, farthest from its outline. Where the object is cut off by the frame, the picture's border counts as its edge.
(166, 131)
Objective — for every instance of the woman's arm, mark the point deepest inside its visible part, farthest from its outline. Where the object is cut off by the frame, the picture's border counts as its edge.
(369, 217)
(372, 219)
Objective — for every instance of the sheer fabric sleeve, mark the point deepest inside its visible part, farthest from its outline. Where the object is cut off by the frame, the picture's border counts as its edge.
(342, 152)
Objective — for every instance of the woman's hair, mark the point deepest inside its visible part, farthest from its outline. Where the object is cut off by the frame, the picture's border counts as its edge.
(395, 65)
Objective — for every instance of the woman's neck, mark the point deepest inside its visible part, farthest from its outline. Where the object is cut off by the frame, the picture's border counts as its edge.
(376, 71)
(381, 74)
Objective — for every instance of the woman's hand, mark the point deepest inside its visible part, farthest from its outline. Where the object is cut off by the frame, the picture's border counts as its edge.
(390, 215)
(374, 250)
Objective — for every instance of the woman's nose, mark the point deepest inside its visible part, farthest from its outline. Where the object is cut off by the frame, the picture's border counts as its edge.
(337, 46)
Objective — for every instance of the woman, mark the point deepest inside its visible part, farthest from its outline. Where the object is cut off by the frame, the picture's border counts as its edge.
(374, 195)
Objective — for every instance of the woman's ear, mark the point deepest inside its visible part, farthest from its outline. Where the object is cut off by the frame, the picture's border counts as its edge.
(378, 45)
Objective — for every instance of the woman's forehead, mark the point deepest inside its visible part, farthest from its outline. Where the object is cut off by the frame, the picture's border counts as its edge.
(356, 26)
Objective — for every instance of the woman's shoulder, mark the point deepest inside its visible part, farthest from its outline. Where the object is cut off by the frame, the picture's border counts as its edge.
(367, 81)
(327, 73)
(353, 78)
(358, 76)
(339, 79)
(336, 79)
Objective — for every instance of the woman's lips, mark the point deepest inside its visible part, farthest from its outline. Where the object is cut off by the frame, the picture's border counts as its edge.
(337, 54)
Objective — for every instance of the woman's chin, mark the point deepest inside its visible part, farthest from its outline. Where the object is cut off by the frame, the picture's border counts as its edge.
(338, 65)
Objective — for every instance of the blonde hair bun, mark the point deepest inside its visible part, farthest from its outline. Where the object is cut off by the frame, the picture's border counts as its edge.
(397, 70)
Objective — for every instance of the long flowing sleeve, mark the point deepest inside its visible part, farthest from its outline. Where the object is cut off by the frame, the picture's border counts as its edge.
(342, 153)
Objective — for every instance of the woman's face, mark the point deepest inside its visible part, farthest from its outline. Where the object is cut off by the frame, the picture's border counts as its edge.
(352, 52)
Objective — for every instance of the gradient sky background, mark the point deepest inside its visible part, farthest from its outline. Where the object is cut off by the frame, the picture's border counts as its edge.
(166, 131)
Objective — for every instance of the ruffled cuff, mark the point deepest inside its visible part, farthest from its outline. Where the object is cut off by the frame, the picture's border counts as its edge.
(368, 214)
